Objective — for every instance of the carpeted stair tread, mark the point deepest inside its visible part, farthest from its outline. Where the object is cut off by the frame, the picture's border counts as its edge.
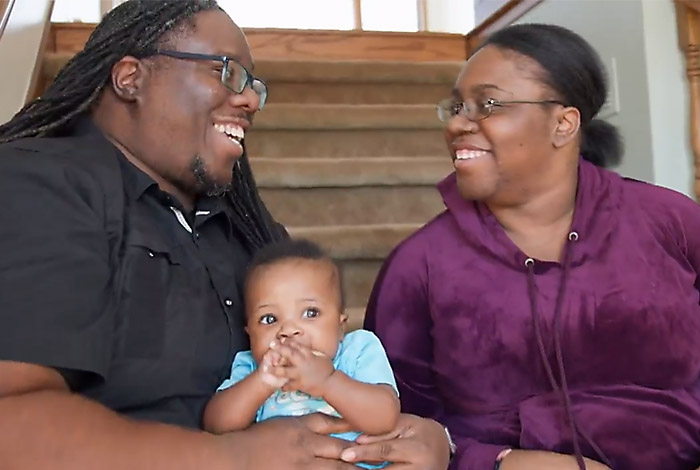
(351, 242)
(347, 116)
(353, 205)
(356, 317)
(339, 71)
(349, 172)
(360, 71)
(358, 279)
(323, 143)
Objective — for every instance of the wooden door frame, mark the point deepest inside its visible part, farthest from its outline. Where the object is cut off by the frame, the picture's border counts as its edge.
(688, 20)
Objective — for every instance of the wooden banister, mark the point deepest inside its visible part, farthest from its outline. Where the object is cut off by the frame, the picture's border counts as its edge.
(504, 16)
(688, 18)
(5, 10)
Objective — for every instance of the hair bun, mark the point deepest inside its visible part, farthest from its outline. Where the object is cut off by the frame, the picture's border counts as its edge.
(602, 144)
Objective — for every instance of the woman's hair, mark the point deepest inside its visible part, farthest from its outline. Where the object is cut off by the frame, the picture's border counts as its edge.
(136, 28)
(573, 70)
(298, 248)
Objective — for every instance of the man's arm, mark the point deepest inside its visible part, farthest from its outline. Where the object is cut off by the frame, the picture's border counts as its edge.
(44, 425)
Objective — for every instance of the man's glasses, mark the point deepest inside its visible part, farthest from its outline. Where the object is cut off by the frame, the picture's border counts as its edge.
(478, 110)
(234, 76)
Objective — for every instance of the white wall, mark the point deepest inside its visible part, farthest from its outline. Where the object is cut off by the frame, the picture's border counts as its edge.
(636, 40)
(19, 49)
(668, 98)
(450, 16)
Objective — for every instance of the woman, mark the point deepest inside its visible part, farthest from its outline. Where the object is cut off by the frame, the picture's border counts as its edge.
(553, 308)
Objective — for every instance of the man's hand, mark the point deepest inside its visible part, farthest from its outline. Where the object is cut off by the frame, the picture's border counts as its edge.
(415, 444)
(292, 444)
(306, 370)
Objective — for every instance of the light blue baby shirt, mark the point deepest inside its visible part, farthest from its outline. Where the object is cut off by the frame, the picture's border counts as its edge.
(360, 356)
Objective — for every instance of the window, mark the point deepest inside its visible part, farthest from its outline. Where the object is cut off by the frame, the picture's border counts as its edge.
(297, 14)
(67, 11)
(390, 15)
(454, 16)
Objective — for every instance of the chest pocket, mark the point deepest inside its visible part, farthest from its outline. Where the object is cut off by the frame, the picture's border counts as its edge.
(152, 273)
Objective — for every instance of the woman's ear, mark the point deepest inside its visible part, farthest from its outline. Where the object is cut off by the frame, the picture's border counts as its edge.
(343, 321)
(127, 78)
(568, 125)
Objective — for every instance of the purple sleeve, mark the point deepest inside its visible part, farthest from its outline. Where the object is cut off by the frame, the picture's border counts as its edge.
(398, 312)
(686, 227)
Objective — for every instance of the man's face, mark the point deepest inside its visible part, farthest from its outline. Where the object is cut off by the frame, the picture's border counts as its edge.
(187, 117)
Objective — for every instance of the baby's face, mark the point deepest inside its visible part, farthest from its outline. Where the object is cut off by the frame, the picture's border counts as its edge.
(294, 298)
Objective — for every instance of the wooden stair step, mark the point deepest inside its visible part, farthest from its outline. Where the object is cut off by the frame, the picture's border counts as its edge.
(325, 143)
(348, 242)
(334, 71)
(349, 172)
(347, 117)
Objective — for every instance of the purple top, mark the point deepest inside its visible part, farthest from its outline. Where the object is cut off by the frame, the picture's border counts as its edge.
(453, 309)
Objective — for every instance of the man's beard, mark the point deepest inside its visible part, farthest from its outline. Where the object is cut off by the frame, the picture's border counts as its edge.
(204, 183)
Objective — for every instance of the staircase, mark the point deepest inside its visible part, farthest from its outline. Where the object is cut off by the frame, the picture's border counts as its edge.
(347, 154)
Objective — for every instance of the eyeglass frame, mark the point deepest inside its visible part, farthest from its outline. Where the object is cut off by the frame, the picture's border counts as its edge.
(250, 78)
(490, 103)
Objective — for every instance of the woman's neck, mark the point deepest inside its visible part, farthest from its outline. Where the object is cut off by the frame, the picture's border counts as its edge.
(540, 224)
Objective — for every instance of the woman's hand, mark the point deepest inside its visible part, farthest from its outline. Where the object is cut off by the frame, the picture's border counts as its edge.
(415, 444)
(540, 460)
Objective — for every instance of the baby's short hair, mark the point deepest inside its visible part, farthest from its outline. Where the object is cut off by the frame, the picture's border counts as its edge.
(294, 248)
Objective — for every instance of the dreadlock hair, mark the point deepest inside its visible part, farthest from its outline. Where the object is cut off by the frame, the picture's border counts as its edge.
(294, 248)
(136, 28)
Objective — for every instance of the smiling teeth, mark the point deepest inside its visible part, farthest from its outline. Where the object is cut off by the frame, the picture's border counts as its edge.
(231, 130)
(469, 154)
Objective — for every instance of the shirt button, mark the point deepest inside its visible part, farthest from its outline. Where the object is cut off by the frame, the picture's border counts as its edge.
(228, 302)
(196, 234)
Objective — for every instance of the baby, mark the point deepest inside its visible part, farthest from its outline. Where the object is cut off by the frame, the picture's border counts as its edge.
(301, 361)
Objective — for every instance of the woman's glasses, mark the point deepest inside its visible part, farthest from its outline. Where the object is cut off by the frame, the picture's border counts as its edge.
(234, 76)
(478, 110)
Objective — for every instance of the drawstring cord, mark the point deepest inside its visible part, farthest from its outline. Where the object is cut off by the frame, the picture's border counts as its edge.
(564, 392)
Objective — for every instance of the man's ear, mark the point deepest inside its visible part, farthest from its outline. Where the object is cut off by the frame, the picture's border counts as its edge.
(128, 76)
(568, 125)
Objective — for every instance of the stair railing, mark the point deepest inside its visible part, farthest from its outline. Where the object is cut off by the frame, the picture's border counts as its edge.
(688, 19)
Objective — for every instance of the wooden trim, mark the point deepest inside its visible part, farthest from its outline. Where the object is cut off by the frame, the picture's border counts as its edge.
(37, 83)
(294, 44)
(357, 6)
(422, 6)
(5, 10)
(692, 4)
(688, 19)
(511, 11)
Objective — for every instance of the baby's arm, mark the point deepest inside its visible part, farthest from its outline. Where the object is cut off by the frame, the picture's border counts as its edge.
(234, 408)
(369, 408)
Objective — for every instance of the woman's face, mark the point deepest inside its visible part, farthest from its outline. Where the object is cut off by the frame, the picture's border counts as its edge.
(504, 157)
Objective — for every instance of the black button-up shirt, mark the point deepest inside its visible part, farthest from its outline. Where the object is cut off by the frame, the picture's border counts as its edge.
(105, 277)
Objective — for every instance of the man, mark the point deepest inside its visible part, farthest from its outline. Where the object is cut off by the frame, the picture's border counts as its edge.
(123, 242)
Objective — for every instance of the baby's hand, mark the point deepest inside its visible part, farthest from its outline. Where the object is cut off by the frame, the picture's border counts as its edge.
(306, 370)
(270, 360)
